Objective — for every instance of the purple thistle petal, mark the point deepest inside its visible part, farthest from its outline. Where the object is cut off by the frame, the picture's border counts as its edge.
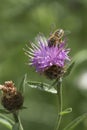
(44, 56)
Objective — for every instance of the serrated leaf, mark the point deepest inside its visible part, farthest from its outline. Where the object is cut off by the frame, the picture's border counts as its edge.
(75, 122)
(6, 121)
(23, 84)
(66, 111)
(41, 86)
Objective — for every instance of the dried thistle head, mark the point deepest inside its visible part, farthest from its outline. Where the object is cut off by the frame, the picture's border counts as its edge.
(11, 99)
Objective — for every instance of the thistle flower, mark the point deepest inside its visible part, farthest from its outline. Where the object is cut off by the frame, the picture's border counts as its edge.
(48, 60)
(11, 99)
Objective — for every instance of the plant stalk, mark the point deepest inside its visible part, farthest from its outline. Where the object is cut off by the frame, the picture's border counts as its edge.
(17, 120)
(60, 103)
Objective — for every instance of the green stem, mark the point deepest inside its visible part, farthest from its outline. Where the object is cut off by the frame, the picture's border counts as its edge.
(15, 115)
(17, 120)
(60, 103)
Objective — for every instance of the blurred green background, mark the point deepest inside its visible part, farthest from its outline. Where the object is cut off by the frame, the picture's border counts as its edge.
(20, 22)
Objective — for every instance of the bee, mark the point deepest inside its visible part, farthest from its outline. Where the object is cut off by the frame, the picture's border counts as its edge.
(56, 37)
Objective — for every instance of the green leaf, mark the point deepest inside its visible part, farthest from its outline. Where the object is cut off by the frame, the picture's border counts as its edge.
(17, 126)
(3, 111)
(79, 58)
(75, 122)
(69, 69)
(23, 84)
(6, 118)
(41, 86)
(66, 111)
(6, 121)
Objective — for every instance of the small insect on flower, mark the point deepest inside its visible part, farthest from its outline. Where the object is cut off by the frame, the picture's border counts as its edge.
(48, 60)
(56, 37)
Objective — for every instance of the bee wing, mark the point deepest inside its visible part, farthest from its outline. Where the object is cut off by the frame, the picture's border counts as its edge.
(52, 28)
(66, 32)
(41, 34)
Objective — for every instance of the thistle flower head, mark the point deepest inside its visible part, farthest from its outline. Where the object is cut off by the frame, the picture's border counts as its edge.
(42, 57)
(11, 99)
